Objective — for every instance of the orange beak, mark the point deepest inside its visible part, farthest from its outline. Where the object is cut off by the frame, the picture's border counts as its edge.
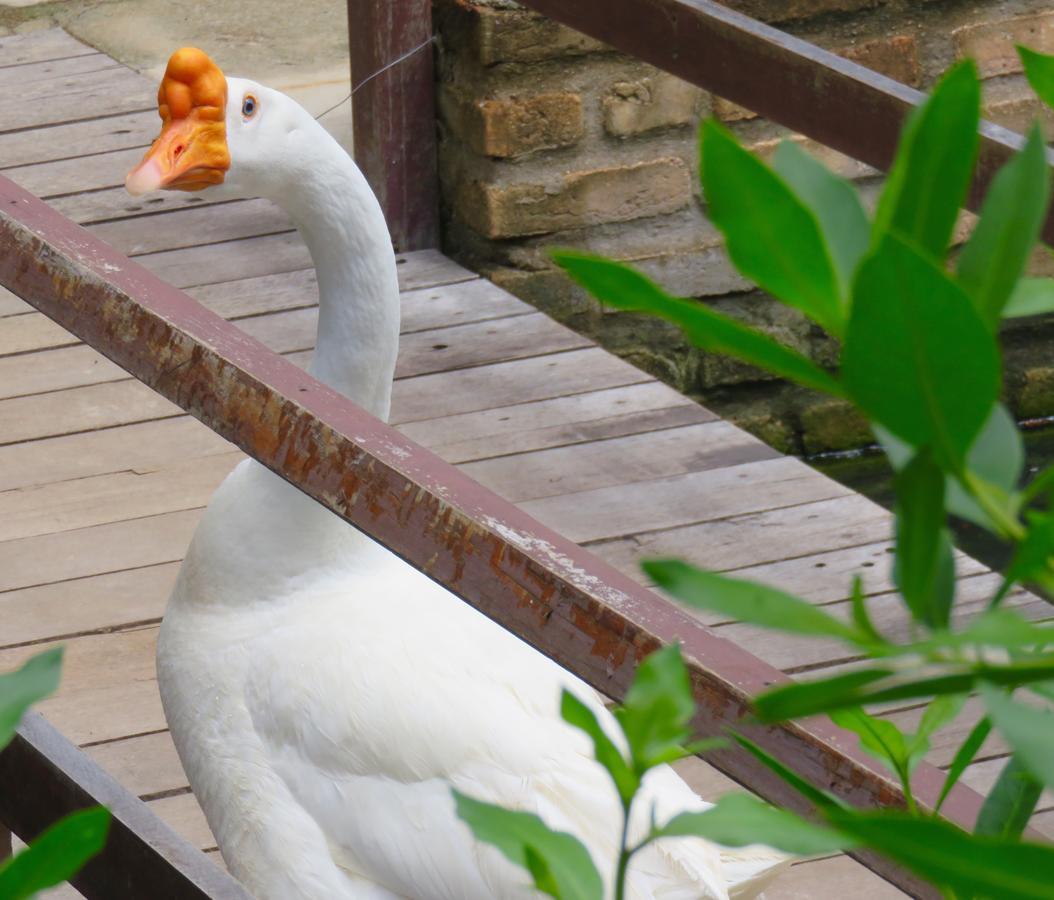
(191, 151)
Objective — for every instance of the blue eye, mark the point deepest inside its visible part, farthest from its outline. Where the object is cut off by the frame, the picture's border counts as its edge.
(249, 105)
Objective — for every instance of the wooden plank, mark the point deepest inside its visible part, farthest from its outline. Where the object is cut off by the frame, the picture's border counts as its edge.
(108, 688)
(423, 309)
(29, 374)
(825, 879)
(681, 499)
(77, 173)
(981, 776)
(758, 538)
(192, 226)
(424, 352)
(53, 142)
(91, 604)
(10, 305)
(520, 381)
(229, 260)
(47, 70)
(38, 46)
(796, 653)
(80, 409)
(60, 100)
(34, 331)
(184, 815)
(81, 97)
(146, 764)
(440, 394)
(96, 551)
(619, 461)
(429, 268)
(84, 502)
(116, 202)
(141, 447)
(562, 421)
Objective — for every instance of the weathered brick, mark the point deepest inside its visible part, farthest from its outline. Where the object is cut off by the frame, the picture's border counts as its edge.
(517, 35)
(512, 126)
(992, 43)
(659, 101)
(1010, 102)
(896, 57)
(837, 162)
(616, 194)
(727, 111)
(791, 10)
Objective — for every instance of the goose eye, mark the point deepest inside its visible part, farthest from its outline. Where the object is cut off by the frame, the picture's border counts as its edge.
(249, 105)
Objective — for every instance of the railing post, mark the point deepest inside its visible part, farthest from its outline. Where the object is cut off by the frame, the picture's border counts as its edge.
(393, 114)
(6, 848)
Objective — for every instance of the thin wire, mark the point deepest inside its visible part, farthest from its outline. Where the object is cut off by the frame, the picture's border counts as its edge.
(380, 71)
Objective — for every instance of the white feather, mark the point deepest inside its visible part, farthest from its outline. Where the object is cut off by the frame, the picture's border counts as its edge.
(323, 695)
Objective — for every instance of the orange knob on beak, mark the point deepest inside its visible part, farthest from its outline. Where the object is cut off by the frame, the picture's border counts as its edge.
(191, 151)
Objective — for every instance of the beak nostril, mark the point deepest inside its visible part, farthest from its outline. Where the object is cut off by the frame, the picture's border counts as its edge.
(179, 150)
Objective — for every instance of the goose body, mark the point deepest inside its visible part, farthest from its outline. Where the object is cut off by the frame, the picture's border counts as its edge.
(323, 695)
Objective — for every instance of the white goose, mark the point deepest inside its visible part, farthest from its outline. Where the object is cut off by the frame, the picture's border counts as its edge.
(322, 694)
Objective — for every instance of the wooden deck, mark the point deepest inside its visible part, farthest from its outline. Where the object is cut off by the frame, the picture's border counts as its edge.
(102, 481)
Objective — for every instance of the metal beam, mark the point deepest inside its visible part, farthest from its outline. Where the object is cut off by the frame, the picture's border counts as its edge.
(43, 777)
(586, 615)
(393, 114)
(790, 81)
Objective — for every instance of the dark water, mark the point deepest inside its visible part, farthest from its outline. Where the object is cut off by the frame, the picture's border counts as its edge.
(869, 473)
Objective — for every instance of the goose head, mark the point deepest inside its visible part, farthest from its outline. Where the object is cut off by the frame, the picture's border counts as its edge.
(229, 137)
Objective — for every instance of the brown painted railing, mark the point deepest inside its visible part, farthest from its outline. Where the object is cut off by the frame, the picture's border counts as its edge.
(573, 607)
(586, 615)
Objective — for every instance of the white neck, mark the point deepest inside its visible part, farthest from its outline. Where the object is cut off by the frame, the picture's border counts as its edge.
(358, 289)
(260, 535)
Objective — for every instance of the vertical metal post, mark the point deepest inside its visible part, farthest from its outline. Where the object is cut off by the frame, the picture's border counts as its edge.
(393, 114)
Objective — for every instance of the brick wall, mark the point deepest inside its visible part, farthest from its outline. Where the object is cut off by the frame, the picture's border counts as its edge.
(549, 138)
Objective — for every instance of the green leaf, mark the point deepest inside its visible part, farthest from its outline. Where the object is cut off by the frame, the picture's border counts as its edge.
(910, 330)
(866, 686)
(1033, 557)
(22, 688)
(939, 713)
(559, 857)
(1031, 297)
(56, 855)
(1039, 70)
(994, 628)
(821, 799)
(1028, 730)
(620, 286)
(835, 204)
(963, 757)
(658, 708)
(747, 601)
(931, 173)
(576, 713)
(969, 865)
(1011, 802)
(924, 568)
(1012, 214)
(879, 737)
(739, 820)
(997, 458)
(861, 619)
(772, 237)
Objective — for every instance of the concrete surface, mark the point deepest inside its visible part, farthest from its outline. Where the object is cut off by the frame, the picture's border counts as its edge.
(300, 48)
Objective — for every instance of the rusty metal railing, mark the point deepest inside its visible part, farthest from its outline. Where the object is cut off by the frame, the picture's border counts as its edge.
(587, 616)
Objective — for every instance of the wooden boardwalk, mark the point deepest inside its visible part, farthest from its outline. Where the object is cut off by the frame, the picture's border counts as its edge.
(102, 481)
